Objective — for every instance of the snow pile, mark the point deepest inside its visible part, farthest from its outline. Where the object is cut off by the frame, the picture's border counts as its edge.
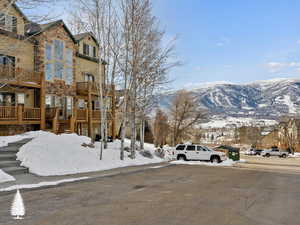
(42, 184)
(4, 140)
(4, 177)
(50, 154)
(296, 155)
(228, 162)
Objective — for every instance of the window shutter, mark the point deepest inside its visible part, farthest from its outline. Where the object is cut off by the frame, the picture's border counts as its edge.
(14, 24)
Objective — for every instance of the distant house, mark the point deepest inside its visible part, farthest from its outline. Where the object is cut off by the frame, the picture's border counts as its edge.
(49, 78)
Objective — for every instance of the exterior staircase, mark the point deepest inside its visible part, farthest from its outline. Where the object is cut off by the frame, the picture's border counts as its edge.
(8, 159)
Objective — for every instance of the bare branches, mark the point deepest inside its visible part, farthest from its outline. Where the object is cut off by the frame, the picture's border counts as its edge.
(185, 113)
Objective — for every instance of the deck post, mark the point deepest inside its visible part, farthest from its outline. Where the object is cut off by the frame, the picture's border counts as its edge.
(90, 113)
(42, 102)
(20, 113)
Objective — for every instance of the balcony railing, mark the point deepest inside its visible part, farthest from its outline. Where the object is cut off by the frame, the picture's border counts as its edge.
(32, 114)
(19, 113)
(50, 113)
(82, 114)
(8, 113)
(83, 87)
(96, 114)
(10, 73)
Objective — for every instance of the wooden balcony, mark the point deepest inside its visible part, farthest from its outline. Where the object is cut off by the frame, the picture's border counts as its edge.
(20, 77)
(83, 88)
(82, 115)
(96, 115)
(17, 115)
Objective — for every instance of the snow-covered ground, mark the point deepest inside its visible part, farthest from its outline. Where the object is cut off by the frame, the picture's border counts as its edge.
(49, 154)
(236, 122)
(228, 162)
(4, 177)
(42, 184)
(4, 140)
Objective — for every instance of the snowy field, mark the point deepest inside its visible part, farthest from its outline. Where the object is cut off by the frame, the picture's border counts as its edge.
(49, 154)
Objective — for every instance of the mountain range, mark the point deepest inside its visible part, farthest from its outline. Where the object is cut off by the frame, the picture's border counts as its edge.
(268, 99)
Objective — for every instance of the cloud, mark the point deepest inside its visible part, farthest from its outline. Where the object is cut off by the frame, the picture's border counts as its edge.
(278, 66)
(198, 68)
(298, 42)
(223, 41)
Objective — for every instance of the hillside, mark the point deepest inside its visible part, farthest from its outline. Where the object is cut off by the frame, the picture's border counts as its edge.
(261, 99)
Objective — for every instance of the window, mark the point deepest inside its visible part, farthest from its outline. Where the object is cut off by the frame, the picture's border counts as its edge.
(48, 52)
(191, 148)
(69, 75)
(89, 77)
(59, 70)
(199, 148)
(81, 104)
(69, 106)
(7, 99)
(97, 105)
(58, 50)
(86, 49)
(8, 22)
(21, 98)
(7, 60)
(180, 147)
(59, 62)
(69, 57)
(48, 71)
(94, 52)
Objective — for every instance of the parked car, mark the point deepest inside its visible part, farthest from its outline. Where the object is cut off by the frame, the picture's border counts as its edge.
(198, 152)
(274, 152)
(253, 151)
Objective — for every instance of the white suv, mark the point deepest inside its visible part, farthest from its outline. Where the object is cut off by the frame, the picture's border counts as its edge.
(198, 152)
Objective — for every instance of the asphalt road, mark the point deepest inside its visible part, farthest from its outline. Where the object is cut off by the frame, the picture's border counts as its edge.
(175, 195)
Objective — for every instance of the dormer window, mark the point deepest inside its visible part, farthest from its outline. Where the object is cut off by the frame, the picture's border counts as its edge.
(89, 50)
(8, 22)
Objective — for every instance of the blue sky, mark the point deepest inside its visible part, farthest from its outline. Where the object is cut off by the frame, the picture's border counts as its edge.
(232, 40)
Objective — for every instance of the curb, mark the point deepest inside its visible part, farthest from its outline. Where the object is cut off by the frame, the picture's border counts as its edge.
(91, 179)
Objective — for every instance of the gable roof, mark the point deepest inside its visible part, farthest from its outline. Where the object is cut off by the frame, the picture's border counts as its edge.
(35, 29)
(79, 37)
(14, 5)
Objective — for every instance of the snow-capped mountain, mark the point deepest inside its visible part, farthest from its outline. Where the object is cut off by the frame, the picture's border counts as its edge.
(262, 99)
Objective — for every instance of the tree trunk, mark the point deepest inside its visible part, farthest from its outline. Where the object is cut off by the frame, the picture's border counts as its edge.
(142, 134)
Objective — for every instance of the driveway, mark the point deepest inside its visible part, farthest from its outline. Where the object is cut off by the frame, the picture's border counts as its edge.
(175, 195)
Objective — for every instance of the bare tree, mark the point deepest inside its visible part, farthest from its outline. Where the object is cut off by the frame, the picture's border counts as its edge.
(161, 128)
(289, 136)
(185, 112)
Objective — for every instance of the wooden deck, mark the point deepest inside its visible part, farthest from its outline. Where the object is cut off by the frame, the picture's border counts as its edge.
(17, 115)
(20, 77)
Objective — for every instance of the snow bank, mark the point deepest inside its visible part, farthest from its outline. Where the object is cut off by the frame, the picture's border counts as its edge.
(4, 177)
(4, 140)
(228, 162)
(42, 184)
(49, 154)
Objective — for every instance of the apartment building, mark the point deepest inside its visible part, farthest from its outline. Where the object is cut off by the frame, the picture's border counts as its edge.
(49, 78)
